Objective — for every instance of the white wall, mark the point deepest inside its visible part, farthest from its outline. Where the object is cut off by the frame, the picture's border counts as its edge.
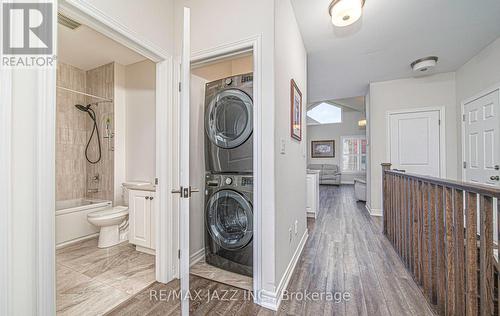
(140, 81)
(151, 20)
(348, 127)
(290, 168)
(433, 91)
(480, 73)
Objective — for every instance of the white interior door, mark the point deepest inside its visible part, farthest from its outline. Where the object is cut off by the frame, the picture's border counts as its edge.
(415, 142)
(185, 189)
(482, 141)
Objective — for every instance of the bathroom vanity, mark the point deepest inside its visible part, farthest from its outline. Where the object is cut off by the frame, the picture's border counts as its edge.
(142, 219)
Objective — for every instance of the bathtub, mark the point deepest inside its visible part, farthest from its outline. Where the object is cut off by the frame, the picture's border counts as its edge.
(71, 220)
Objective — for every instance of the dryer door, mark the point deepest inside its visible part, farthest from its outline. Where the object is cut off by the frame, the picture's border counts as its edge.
(228, 120)
(229, 219)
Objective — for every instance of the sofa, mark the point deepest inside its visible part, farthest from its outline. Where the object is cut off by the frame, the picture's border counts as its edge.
(328, 174)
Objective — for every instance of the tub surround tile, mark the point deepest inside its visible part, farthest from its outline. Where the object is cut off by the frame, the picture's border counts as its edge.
(92, 281)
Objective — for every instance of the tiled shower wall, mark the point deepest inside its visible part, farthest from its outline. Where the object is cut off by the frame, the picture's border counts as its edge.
(100, 176)
(76, 178)
(71, 135)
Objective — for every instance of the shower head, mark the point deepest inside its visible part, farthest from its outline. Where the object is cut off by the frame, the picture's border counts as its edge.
(82, 107)
(87, 109)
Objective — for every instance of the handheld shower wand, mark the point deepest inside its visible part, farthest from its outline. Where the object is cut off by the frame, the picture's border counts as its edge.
(95, 129)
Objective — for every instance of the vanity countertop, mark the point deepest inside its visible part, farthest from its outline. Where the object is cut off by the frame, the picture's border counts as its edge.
(140, 186)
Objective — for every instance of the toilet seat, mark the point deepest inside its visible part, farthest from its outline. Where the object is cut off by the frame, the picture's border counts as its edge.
(116, 211)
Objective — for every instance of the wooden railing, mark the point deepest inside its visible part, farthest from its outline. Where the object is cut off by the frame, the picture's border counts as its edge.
(432, 224)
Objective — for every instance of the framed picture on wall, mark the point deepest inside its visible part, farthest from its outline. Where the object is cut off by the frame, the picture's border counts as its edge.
(323, 149)
(296, 111)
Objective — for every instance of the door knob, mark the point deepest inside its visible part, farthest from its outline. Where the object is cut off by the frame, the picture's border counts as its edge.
(146, 197)
(493, 178)
(151, 198)
(179, 191)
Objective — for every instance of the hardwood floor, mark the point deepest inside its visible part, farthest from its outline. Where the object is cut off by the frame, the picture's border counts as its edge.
(346, 253)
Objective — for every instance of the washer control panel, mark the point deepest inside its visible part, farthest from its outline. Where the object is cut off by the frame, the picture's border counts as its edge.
(228, 180)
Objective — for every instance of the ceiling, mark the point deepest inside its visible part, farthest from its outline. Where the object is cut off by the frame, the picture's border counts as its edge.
(389, 36)
(87, 49)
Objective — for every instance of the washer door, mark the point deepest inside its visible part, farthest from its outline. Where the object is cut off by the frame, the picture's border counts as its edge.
(228, 120)
(229, 219)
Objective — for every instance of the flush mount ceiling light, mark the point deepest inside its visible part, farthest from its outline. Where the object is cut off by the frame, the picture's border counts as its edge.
(424, 65)
(345, 12)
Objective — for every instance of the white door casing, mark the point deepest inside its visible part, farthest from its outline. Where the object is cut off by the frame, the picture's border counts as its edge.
(414, 142)
(481, 126)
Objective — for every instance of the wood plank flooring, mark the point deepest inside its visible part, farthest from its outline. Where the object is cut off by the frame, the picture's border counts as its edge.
(346, 252)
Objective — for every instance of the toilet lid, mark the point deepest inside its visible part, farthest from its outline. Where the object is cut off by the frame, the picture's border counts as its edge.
(109, 211)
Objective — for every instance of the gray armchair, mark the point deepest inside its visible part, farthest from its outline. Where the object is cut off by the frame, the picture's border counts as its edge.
(328, 174)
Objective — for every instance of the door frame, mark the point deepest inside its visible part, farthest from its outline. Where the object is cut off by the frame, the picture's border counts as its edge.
(442, 133)
(44, 204)
(476, 96)
(254, 45)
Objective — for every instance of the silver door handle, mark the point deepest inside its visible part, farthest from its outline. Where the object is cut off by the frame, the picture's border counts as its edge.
(193, 189)
(493, 178)
(179, 191)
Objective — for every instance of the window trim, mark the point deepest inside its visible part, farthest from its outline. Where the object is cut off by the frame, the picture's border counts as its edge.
(341, 158)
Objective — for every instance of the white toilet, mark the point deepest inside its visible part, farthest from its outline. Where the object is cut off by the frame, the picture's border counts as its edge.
(109, 221)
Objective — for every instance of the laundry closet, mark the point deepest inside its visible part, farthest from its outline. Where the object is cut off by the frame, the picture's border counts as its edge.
(221, 165)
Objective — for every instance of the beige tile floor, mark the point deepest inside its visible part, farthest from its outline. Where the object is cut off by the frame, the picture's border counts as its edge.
(91, 281)
(204, 270)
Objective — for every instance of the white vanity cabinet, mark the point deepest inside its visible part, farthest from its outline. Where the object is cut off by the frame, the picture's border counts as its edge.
(142, 220)
(312, 187)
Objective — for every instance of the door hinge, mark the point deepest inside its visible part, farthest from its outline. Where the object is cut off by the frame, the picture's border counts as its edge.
(463, 117)
(156, 181)
(465, 165)
(179, 253)
(180, 86)
(439, 122)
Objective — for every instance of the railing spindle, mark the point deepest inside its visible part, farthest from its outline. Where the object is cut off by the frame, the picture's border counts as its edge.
(458, 204)
(486, 252)
(433, 240)
(450, 254)
(471, 255)
(441, 293)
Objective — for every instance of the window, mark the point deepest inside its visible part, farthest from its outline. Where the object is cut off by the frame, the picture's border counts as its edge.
(324, 113)
(353, 153)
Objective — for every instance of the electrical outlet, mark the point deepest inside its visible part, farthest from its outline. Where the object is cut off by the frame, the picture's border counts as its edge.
(296, 227)
(282, 146)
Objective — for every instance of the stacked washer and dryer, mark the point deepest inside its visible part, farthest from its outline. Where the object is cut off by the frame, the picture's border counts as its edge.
(229, 174)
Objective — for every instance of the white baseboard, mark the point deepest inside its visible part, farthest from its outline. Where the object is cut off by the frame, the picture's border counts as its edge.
(77, 240)
(272, 300)
(149, 251)
(374, 211)
(196, 257)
